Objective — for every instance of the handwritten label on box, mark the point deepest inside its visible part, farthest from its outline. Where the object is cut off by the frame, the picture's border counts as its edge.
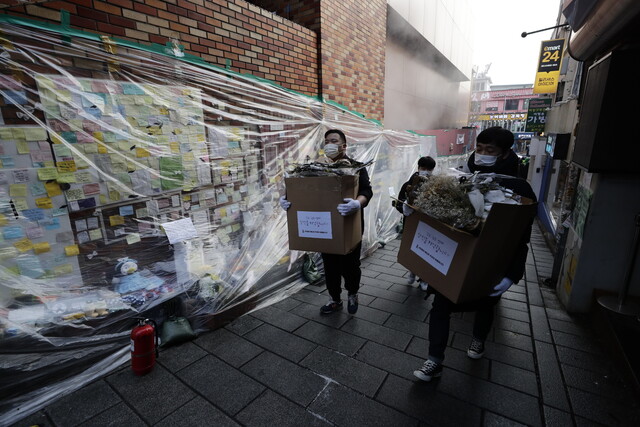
(434, 247)
(316, 225)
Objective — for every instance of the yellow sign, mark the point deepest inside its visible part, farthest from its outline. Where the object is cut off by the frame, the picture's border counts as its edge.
(549, 66)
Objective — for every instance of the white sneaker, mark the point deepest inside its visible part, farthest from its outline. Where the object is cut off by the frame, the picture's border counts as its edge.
(411, 279)
(423, 285)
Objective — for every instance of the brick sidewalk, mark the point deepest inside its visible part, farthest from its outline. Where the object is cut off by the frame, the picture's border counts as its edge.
(286, 365)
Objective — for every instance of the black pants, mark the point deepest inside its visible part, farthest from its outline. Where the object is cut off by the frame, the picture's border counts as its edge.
(440, 318)
(338, 266)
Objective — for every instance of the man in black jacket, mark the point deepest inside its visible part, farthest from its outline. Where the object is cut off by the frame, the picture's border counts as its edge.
(346, 266)
(493, 154)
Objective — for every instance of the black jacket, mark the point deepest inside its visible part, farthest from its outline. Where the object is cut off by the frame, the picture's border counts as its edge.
(402, 195)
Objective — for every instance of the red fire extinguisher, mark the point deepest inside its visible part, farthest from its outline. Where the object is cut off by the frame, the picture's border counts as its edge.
(144, 346)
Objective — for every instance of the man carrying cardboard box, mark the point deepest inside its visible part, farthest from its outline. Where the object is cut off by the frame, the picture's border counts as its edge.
(493, 154)
(338, 266)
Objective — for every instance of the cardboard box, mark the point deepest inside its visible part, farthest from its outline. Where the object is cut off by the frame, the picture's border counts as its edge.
(313, 219)
(461, 266)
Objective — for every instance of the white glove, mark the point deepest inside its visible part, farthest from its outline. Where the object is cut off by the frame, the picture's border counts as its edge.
(349, 208)
(501, 287)
(406, 209)
(284, 203)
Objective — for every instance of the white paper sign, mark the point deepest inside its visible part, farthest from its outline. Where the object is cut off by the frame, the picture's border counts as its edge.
(180, 230)
(316, 225)
(434, 247)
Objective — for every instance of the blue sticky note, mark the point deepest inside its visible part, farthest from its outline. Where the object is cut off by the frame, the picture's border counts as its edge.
(70, 137)
(29, 265)
(18, 97)
(87, 203)
(132, 89)
(7, 161)
(33, 214)
(126, 210)
(13, 233)
(52, 224)
(37, 188)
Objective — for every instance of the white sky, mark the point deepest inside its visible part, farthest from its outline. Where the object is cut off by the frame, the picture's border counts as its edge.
(498, 25)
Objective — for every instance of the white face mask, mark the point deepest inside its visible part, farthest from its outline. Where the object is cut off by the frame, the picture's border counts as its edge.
(332, 150)
(424, 173)
(484, 160)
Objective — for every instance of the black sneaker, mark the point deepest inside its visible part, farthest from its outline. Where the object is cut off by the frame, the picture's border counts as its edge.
(331, 307)
(352, 304)
(476, 349)
(429, 371)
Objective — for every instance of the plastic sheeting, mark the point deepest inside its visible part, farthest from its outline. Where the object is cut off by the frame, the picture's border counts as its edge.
(140, 181)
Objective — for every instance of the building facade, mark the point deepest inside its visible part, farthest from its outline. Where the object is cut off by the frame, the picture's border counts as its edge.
(500, 105)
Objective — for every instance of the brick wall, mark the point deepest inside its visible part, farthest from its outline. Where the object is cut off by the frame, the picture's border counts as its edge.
(304, 12)
(254, 40)
(352, 46)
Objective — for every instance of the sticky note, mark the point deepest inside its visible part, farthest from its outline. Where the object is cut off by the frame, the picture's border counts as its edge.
(95, 234)
(42, 247)
(126, 210)
(18, 190)
(66, 166)
(20, 204)
(61, 270)
(22, 147)
(47, 174)
(133, 238)
(35, 134)
(66, 178)
(116, 220)
(71, 250)
(53, 189)
(24, 245)
(44, 203)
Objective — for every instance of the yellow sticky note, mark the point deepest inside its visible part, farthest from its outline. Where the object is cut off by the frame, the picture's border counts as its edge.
(20, 204)
(90, 148)
(99, 136)
(60, 270)
(22, 147)
(18, 133)
(102, 149)
(44, 203)
(42, 247)
(24, 245)
(71, 250)
(53, 189)
(141, 152)
(116, 220)
(6, 133)
(66, 177)
(47, 174)
(18, 190)
(3, 220)
(103, 199)
(55, 139)
(35, 134)
(175, 147)
(133, 238)
(66, 166)
(95, 234)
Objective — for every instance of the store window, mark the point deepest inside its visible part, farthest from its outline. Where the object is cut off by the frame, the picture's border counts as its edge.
(511, 104)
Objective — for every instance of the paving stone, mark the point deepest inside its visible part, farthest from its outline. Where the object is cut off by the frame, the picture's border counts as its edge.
(522, 316)
(418, 347)
(194, 413)
(501, 353)
(461, 326)
(458, 360)
(607, 411)
(286, 304)
(587, 361)
(371, 314)
(390, 360)
(290, 380)
(533, 294)
(352, 373)
(495, 420)
(245, 324)
(279, 318)
(550, 377)
(515, 378)
(280, 342)
(425, 402)
(332, 338)
(375, 282)
(409, 326)
(382, 293)
(221, 384)
(83, 404)
(523, 328)
(368, 273)
(511, 339)
(377, 333)
(577, 343)
(231, 348)
(312, 312)
(411, 311)
(271, 409)
(515, 300)
(572, 327)
(556, 418)
(177, 357)
(311, 297)
(395, 273)
(405, 289)
(605, 385)
(540, 325)
(493, 397)
(152, 396)
(119, 415)
(345, 407)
